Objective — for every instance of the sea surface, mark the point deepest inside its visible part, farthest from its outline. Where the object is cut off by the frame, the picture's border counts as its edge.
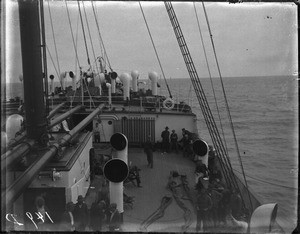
(264, 112)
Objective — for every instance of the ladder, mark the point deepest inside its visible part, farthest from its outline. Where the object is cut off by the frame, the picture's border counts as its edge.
(208, 117)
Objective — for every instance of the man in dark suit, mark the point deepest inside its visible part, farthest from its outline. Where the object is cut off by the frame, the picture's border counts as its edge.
(114, 219)
(67, 221)
(80, 214)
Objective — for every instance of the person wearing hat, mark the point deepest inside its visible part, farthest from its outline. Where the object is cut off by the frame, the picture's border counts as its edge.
(80, 214)
(67, 220)
(114, 219)
(174, 139)
(165, 140)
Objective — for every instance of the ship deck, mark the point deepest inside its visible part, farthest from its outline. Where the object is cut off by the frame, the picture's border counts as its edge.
(154, 187)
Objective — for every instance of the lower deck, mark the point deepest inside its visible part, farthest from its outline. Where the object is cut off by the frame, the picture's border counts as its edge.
(147, 199)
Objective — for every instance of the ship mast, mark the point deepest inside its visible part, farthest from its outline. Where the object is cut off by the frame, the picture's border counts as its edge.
(31, 47)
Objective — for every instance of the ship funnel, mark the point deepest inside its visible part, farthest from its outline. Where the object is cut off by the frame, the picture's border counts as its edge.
(200, 148)
(153, 77)
(135, 76)
(116, 170)
(113, 76)
(73, 77)
(125, 79)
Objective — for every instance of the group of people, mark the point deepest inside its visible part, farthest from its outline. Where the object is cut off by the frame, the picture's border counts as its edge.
(171, 143)
(214, 200)
(77, 217)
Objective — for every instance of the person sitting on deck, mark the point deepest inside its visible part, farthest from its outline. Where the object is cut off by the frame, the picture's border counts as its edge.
(215, 174)
(201, 170)
(134, 175)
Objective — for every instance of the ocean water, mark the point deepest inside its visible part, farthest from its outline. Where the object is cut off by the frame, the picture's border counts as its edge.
(264, 111)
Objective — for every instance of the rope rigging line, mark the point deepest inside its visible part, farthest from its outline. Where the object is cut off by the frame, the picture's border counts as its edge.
(100, 37)
(57, 73)
(84, 38)
(89, 33)
(155, 50)
(211, 81)
(51, 23)
(208, 117)
(70, 24)
(226, 102)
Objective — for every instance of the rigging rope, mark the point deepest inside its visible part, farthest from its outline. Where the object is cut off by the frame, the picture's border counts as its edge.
(85, 43)
(208, 68)
(89, 33)
(208, 117)
(155, 50)
(52, 61)
(100, 37)
(226, 102)
(75, 47)
(51, 23)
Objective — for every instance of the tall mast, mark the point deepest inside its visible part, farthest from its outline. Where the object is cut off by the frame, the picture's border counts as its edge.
(31, 46)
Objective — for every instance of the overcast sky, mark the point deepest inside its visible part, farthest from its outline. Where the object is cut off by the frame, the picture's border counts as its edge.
(251, 39)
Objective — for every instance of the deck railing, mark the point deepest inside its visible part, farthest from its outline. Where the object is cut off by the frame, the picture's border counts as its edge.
(144, 104)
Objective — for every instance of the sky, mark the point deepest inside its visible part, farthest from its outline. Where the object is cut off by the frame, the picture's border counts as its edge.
(251, 39)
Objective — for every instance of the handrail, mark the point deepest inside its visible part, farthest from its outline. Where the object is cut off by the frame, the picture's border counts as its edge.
(148, 102)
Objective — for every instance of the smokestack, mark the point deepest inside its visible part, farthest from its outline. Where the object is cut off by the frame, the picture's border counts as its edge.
(116, 170)
(200, 148)
(35, 113)
(125, 79)
(153, 77)
(135, 76)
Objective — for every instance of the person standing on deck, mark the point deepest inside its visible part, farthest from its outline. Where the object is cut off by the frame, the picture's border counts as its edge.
(165, 140)
(80, 214)
(186, 146)
(97, 133)
(67, 220)
(148, 149)
(174, 139)
(204, 205)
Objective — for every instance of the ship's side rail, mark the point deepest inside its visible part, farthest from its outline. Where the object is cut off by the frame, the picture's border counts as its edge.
(146, 103)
